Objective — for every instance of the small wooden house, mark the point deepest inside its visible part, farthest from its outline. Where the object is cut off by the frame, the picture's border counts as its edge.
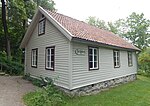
(78, 55)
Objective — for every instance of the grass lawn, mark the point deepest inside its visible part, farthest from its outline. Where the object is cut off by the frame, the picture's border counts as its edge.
(135, 93)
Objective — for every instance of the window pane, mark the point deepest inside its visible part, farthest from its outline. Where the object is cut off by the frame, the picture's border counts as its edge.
(90, 64)
(44, 26)
(116, 58)
(35, 62)
(48, 51)
(48, 58)
(52, 64)
(90, 51)
(34, 57)
(95, 58)
(52, 58)
(95, 64)
(48, 64)
(52, 51)
(115, 64)
(95, 51)
(129, 58)
(129, 62)
(117, 53)
(41, 26)
(90, 58)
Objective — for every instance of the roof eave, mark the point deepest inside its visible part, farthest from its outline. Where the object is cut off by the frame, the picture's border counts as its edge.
(94, 43)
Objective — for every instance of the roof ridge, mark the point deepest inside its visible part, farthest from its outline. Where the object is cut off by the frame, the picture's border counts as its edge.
(79, 21)
(83, 30)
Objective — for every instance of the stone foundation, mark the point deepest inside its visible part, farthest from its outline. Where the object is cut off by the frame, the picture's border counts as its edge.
(101, 86)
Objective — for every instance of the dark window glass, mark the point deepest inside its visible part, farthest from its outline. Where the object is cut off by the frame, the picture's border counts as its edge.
(93, 58)
(116, 58)
(50, 58)
(90, 58)
(90, 51)
(52, 51)
(41, 29)
(95, 64)
(130, 59)
(90, 64)
(34, 57)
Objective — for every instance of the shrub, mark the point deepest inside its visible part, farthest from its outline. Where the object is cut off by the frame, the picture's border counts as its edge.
(48, 95)
(10, 67)
(144, 62)
(40, 82)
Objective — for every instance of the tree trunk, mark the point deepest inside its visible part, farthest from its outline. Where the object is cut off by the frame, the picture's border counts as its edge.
(5, 29)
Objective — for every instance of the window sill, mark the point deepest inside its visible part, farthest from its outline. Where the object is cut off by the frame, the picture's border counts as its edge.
(130, 65)
(41, 34)
(34, 66)
(116, 66)
(52, 69)
(93, 69)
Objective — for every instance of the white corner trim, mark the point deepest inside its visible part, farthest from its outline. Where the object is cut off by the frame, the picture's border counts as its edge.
(70, 64)
(56, 23)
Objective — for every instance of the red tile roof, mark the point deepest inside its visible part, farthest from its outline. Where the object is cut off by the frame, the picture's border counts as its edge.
(82, 30)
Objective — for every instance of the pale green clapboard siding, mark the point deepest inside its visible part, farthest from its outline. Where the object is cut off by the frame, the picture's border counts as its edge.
(81, 75)
(52, 37)
(71, 70)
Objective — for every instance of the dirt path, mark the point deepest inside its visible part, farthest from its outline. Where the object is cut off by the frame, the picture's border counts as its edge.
(12, 89)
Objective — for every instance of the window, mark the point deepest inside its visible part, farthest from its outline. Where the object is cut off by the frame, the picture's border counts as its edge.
(93, 58)
(116, 59)
(42, 26)
(34, 57)
(50, 57)
(130, 59)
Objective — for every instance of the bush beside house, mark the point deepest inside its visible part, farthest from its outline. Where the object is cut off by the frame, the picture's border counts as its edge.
(9, 66)
(144, 62)
(47, 95)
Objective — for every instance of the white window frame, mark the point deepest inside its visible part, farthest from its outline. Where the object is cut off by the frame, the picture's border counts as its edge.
(48, 59)
(41, 27)
(130, 61)
(116, 56)
(34, 57)
(93, 59)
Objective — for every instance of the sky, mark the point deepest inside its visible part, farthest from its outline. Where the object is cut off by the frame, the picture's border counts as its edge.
(107, 10)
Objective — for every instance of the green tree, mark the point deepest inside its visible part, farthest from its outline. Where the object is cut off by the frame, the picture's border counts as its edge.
(16, 16)
(135, 28)
(97, 22)
(19, 12)
(118, 27)
(5, 27)
(30, 8)
(47, 4)
(144, 61)
(2, 37)
(137, 31)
